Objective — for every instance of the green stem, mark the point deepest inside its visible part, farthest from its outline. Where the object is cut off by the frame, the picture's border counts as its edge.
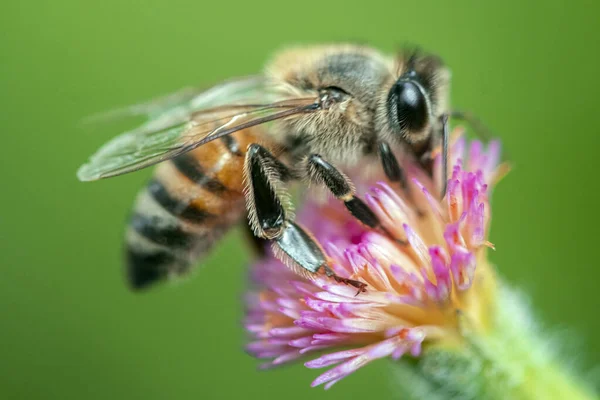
(512, 361)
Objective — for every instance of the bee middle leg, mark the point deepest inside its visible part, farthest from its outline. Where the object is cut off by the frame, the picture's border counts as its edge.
(395, 174)
(320, 171)
(270, 219)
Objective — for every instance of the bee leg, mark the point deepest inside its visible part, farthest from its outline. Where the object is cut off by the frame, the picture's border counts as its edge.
(266, 200)
(394, 173)
(300, 251)
(264, 176)
(445, 133)
(322, 172)
(478, 126)
(270, 220)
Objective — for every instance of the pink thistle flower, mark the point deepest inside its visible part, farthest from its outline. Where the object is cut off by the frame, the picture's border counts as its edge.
(419, 286)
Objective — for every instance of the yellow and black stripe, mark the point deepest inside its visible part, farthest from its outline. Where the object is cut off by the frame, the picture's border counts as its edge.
(188, 205)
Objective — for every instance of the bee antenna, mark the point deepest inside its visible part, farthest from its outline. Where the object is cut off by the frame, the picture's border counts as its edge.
(407, 55)
(413, 53)
(480, 129)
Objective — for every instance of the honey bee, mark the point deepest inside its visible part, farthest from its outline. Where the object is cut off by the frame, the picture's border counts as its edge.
(229, 152)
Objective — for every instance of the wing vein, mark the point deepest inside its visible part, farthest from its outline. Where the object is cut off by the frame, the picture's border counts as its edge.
(182, 127)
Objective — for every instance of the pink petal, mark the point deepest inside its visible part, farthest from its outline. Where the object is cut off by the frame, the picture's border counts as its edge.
(333, 358)
(342, 370)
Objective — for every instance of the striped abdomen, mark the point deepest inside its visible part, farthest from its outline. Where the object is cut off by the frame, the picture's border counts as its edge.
(189, 204)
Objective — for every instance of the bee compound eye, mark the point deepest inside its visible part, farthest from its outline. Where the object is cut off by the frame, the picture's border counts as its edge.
(411, 105)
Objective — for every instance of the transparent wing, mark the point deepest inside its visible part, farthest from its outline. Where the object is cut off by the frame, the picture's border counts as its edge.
(175, 129)
(176, 108)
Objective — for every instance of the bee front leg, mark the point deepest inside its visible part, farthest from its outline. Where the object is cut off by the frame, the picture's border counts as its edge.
(394, 172)
(445, 139)
(268, 211)
(322, 172)
(391, 167)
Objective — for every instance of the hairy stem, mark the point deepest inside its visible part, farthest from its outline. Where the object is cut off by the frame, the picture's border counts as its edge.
(513, 360)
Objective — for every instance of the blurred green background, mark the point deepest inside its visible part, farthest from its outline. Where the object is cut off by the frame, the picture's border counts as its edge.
(68, 326)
